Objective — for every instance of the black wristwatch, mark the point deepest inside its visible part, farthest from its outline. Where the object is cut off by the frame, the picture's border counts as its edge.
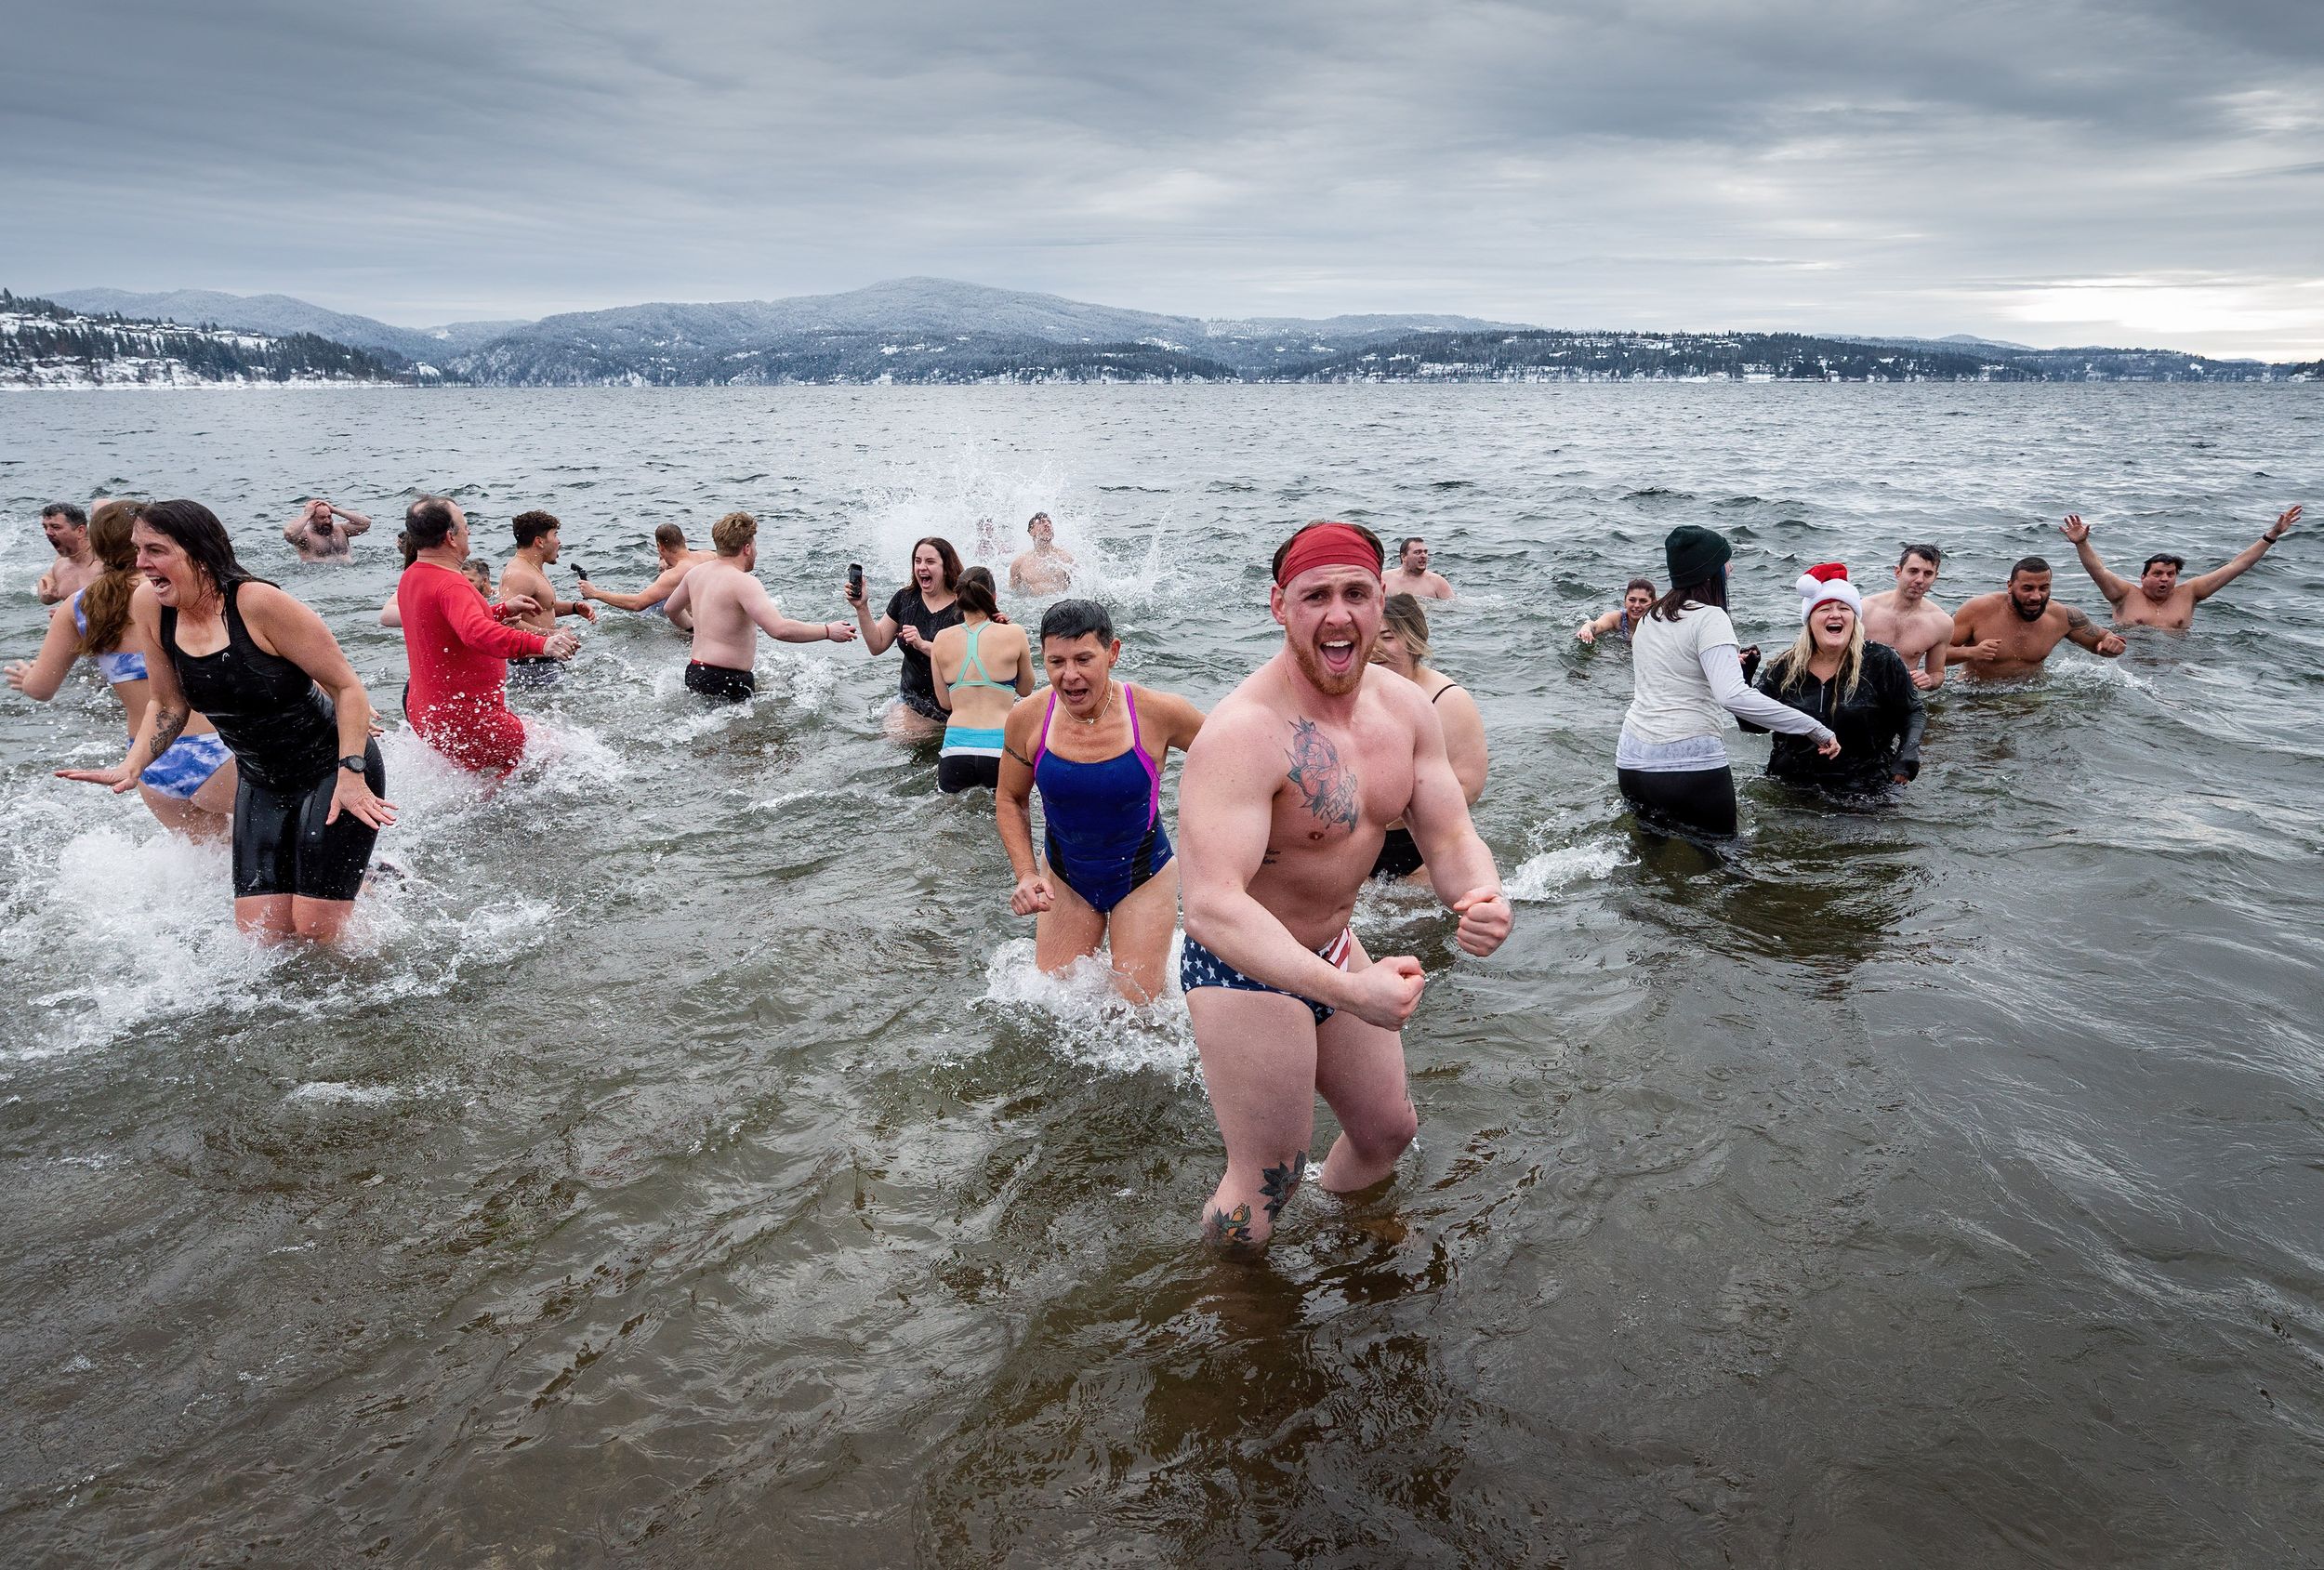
(354, 763)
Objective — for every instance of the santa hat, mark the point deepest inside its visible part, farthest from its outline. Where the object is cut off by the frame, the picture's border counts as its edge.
(1827, 581)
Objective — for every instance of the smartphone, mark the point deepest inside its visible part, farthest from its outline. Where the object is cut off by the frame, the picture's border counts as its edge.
(856, 580)
(582, 571)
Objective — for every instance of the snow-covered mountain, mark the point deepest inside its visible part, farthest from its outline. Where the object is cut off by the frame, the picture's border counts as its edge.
(44, 345)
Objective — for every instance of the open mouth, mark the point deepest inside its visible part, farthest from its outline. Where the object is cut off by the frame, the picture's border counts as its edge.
(1339, 655)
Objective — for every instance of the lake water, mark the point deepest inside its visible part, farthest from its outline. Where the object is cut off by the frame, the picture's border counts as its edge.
(685, 1167)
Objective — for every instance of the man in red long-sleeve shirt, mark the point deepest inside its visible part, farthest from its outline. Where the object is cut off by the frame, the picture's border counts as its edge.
(458, 647)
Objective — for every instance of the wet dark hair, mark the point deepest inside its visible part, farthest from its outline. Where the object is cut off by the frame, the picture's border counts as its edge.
(1038, 518)
(1380, 552)
(1927, 553)
(67, 511)
(1711, 590)
(429, 521)
(531, 526)
(669, 536)
(976, 592)
(2166, 558)
(1077, 618)
(2028, 564)
(1410, 541)
(944, 554)
(196, 530)
(409, 547)
(1647, 584)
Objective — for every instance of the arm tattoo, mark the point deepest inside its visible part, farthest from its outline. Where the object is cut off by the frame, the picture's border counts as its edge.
(2075, 620)
(167, 725)
(1018, 756)
(1324, 784)
(1276, 1183)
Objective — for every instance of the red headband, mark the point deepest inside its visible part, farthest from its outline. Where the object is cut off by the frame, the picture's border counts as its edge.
(1328, 544)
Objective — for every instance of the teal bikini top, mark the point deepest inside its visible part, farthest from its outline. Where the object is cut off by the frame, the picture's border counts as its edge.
(980, 678)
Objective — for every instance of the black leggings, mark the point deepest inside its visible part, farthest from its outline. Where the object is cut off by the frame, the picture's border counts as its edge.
(1694, 800)
(282, 845)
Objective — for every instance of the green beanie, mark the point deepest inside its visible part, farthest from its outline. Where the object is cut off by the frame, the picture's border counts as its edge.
(1695, 553)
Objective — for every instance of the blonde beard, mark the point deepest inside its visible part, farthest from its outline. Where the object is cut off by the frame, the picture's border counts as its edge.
(1319, 676)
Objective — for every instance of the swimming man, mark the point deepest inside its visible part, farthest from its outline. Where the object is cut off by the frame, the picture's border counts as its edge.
(1996, 636)
(2160, 597)
(324, 533)
(76, 566)
(1044, 569)
(1411, 574)
(1908, 620)
(526, 578)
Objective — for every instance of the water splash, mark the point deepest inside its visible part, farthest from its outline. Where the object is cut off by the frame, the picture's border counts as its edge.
(1087, 1021)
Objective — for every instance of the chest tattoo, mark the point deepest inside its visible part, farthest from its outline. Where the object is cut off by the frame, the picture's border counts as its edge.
(1326, 787)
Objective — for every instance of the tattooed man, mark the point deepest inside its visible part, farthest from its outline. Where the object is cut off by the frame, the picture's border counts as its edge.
(1286, 797)
(2008, 634)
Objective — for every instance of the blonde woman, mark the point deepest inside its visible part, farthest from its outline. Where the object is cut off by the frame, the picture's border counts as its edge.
(1859, 688)
(983, 668)
(1404, 648)
(190, 787)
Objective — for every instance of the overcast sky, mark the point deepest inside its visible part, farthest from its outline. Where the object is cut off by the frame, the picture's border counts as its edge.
(2130, 171)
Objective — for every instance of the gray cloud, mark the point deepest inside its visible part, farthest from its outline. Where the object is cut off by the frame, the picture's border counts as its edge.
(2134, 172)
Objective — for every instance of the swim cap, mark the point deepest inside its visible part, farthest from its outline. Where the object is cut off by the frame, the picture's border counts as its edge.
(1826, 581)
(1695, 553)
(1327, 544)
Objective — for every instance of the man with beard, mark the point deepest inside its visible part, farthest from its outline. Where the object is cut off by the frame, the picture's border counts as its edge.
(1996, 636)
(1286, 795)
(2160, 597)
(1908, 620)
(324, 532)
(1411, 574)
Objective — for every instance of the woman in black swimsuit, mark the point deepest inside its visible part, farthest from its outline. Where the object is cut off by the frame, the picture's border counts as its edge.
(258, 664)
(915, 613)
(1404, 648)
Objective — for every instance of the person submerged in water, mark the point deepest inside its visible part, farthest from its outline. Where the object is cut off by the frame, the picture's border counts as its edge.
(460, 647)
(728, 607)
(983, 668)
(1094, 748)
(1287, 797)
(1638, 598)
(66, 527)
(1859, 687)
(1403, 647)
(190, 787)
(2162, 598)
(1908, 620)
(915, 613)
(1411, 574)
(271, 678)
(324, 532)
(677, 558)
(2000, 637)
(525, 579)
(1044, 569)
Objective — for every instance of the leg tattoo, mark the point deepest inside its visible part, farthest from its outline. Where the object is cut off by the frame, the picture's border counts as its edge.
(1231, 1227)
(1276, 1183)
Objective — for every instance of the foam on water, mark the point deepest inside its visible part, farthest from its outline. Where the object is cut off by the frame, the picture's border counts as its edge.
(1087, 1022)
(1551, 873)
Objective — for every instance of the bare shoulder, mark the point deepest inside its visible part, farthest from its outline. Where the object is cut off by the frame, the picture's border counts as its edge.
(1978, 605)
(1244, 719)
(1024, 714)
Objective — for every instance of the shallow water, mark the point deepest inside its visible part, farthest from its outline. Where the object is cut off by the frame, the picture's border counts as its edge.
(684, 1166)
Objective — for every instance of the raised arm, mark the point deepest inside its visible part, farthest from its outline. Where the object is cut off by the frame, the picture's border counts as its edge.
(39, 678)
(2210, 582)
(2115, 588)
(663, 586)
(879, 632)
(2084, 631)
(1590, 632)
(356, 523)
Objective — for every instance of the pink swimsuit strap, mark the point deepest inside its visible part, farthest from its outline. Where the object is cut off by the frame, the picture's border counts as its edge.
(1146, 759)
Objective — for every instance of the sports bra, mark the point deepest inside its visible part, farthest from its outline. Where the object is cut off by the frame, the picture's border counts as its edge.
(981, 679)
(117, 666)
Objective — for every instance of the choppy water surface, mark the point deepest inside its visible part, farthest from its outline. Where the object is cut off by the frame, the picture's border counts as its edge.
(686, 1170)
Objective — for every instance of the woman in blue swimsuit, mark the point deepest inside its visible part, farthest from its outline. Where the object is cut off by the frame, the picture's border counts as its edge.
(190, 787)
(1094, 748)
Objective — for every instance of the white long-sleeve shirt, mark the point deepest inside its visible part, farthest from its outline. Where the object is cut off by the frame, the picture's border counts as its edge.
(1686, 680)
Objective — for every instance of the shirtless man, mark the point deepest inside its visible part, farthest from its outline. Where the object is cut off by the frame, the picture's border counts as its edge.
(1288, 792)
(677, 558)
(526, 577)
(1044, 569)
(1411, 574)
(2000, 636)
(76, 565)
(324, 533)
(2159, 598)
(1908, 620)
(726, 602)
